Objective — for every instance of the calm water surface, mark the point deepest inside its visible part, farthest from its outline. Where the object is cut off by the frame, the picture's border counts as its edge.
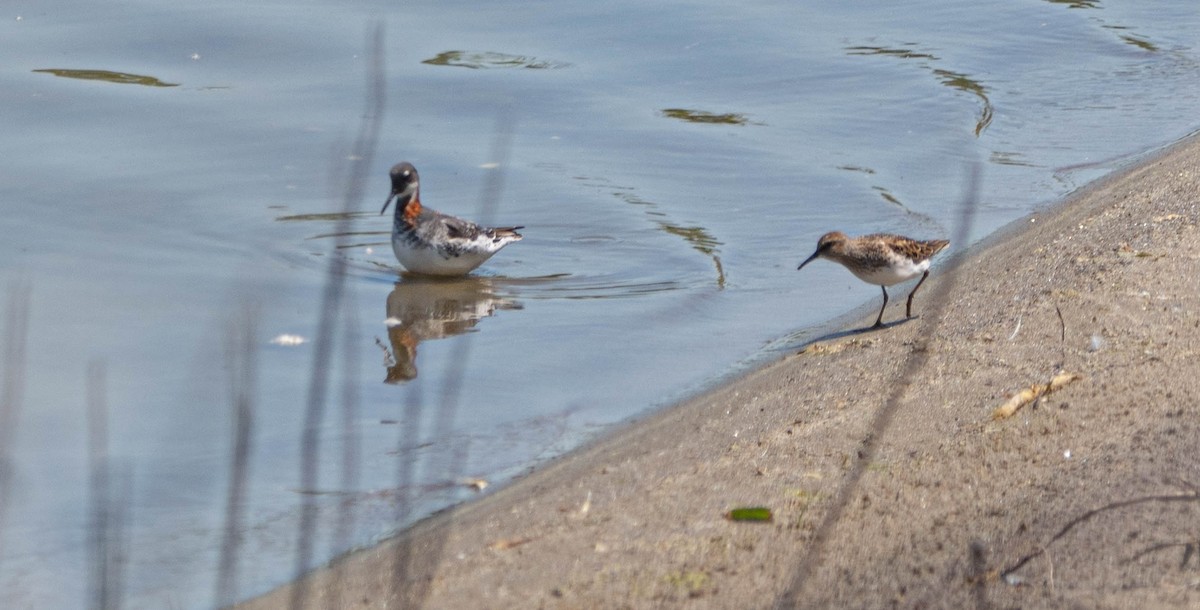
(174, 174)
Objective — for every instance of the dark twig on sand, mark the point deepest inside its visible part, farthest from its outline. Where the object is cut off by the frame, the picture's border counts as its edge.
(1190, 549)
(1184, 497)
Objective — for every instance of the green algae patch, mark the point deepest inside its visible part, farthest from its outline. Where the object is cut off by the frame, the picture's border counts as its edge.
(121, 78)
(700, 116)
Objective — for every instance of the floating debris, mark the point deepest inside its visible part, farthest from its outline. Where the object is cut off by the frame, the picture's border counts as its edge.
(818, 349)
(475, 484)
(901, 52)
(482, 60)
(855, 168)
(287, 340)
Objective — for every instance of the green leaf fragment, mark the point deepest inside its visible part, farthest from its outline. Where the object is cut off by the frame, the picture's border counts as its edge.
(755, 513)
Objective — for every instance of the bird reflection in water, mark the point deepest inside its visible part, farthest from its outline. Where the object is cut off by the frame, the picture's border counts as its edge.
(423, 308)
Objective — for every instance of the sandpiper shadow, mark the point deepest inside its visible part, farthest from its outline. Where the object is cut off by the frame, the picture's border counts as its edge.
(850, 332)
(801, 339)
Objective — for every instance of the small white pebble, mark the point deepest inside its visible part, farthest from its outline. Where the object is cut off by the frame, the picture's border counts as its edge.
(287, 340)
(1067, 454)
(391, 322)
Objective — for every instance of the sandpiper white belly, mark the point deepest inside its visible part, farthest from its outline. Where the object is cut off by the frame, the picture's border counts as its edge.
(900, 270)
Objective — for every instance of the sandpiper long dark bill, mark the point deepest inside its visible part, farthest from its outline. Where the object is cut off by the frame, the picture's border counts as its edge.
(431, 243)
(880, 259)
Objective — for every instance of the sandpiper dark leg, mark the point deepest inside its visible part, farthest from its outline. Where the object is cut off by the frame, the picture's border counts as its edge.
(879, 320)
(908, 310)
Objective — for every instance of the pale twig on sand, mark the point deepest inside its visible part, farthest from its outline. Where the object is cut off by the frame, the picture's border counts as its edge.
(1032, 393)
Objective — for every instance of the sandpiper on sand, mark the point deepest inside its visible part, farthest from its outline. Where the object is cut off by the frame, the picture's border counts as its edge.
(431, 243)
(880, 259)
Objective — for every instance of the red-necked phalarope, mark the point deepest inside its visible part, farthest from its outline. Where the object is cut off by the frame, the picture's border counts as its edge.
(880, 259)
(431, 243)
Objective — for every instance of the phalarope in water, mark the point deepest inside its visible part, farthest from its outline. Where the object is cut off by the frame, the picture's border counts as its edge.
(431, 243)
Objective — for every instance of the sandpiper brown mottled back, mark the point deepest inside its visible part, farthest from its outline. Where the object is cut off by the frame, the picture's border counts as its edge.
(880, 259)
(431, 243)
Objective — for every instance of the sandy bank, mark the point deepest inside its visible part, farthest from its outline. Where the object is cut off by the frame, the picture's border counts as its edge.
(889, 481)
